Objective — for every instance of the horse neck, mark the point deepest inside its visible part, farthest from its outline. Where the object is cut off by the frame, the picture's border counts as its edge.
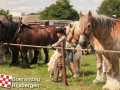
(9, 31)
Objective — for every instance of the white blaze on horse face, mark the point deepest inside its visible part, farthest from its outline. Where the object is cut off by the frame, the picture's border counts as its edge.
(82, 40)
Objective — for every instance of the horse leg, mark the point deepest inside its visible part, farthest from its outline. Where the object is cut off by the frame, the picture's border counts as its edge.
(35, 58)
(99, 75)
(46, 55)
(40, 57)
(7, 51)
(30, 54)
(25, 62)
(113, 76)
(15, 55)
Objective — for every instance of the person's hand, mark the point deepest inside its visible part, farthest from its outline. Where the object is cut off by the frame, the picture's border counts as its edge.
(53, 47)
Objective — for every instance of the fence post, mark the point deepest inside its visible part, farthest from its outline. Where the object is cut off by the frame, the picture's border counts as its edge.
(63, 64)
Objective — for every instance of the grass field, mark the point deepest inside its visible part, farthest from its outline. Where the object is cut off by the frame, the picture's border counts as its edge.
(88, 72)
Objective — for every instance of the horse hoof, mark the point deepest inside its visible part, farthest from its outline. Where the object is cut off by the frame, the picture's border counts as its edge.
(33, 63)
(25, 67)
(14, 64)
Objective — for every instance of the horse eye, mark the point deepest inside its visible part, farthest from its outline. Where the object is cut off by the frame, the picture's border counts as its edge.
(88, 26)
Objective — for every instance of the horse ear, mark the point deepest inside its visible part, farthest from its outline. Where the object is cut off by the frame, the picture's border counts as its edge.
(89, 14)
(70, 25)
(80, 14)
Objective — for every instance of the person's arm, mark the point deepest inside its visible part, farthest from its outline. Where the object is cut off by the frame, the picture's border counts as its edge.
(59, 42)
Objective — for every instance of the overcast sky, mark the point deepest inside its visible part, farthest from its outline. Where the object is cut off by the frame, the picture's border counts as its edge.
(28, 6)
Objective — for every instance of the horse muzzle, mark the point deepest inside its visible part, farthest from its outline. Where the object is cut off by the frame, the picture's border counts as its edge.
(83, 41)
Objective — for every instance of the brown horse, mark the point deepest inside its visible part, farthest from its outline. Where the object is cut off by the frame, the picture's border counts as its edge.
(104, 33)
(35, 35)
(36, 51)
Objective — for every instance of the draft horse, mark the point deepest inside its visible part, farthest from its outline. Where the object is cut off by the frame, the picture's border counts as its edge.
(104, 32)
(35, 35)
(8, 34)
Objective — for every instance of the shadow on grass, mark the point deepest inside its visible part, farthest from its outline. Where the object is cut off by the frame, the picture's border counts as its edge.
(41, 64)
(85, 65)
(87, 73)
(4, 64)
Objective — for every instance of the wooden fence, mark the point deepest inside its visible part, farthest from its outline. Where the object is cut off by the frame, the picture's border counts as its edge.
(63, 57)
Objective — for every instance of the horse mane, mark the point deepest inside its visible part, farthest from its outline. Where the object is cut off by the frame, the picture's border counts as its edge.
(102, 21)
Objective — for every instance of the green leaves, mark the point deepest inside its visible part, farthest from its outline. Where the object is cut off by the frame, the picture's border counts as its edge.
(61, 10)
(6, 13)
(110, 8)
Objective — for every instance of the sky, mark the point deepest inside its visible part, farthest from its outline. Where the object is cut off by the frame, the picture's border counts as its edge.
(29, 6)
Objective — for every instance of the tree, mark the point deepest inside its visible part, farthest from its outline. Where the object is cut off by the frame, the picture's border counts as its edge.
(60, 10)
(110, 8)
(6, 13)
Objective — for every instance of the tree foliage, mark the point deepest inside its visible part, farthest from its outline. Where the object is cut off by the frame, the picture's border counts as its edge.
(60, 10)
(6, 13)
(110, 8)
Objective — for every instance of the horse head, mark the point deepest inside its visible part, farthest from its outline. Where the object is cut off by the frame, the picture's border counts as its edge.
(69, 32)
(73, 33)
(86, 26)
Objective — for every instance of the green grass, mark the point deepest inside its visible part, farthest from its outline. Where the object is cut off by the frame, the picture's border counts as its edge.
(88, 72)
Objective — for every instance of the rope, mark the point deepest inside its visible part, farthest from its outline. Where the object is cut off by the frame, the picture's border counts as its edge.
(50, 47)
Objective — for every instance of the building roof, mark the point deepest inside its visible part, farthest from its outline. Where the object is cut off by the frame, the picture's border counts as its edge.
(3, 19)
(30, 18)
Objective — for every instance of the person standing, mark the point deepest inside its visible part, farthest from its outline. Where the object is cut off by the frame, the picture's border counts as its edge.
(58, 63)
(69, 57)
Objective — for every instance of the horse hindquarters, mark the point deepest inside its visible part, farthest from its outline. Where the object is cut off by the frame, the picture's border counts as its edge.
(77, 58)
